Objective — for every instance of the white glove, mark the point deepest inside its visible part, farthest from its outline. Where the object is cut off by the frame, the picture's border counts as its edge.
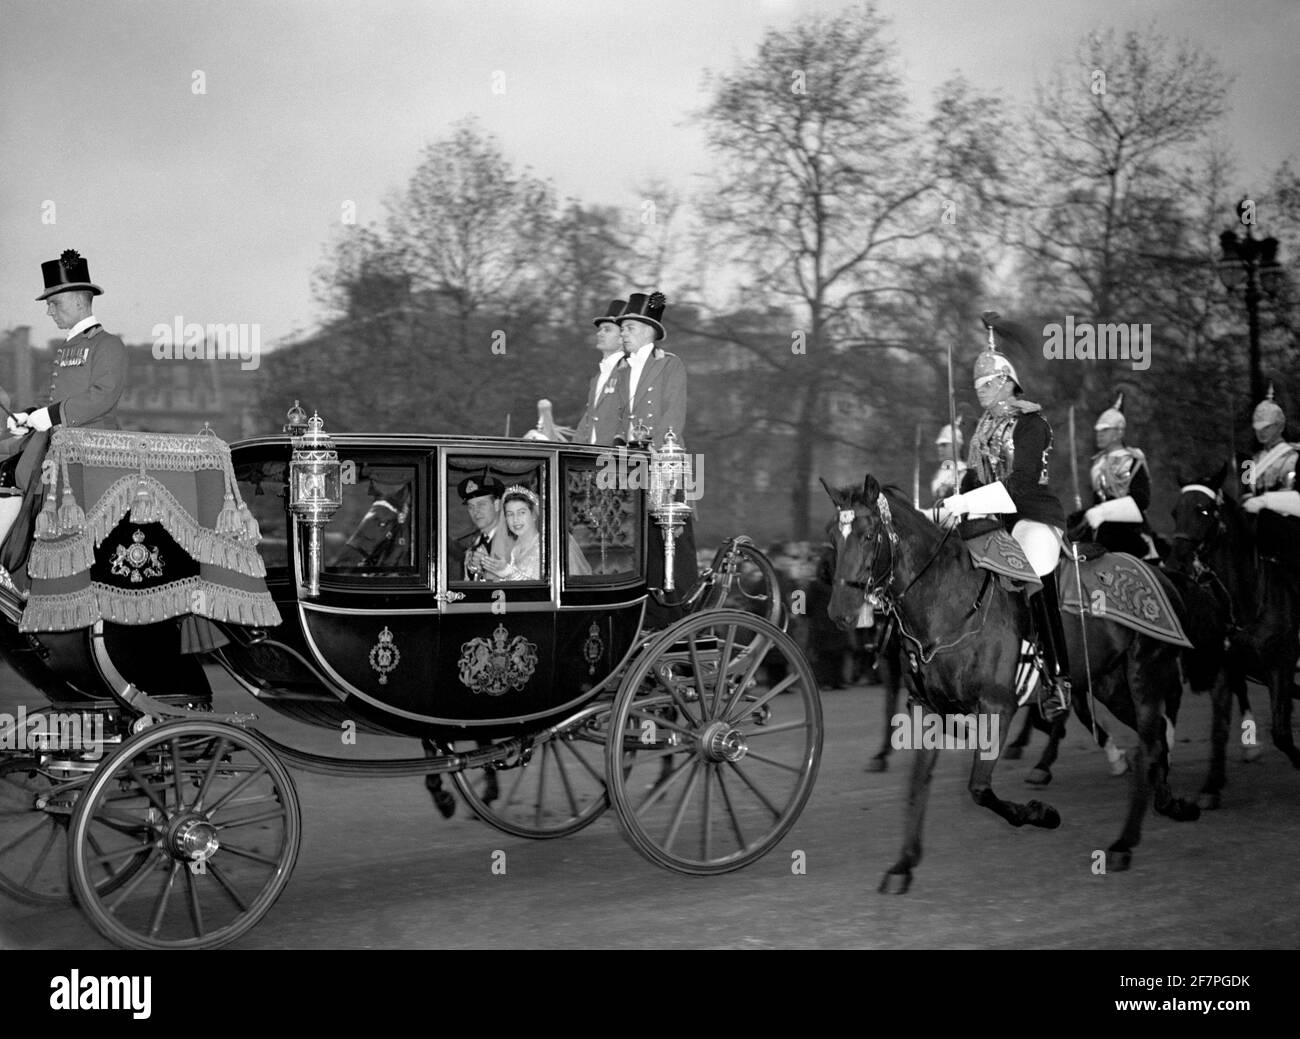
(1093, 517)
(39, 420)
(16, 425)
(1253, 504)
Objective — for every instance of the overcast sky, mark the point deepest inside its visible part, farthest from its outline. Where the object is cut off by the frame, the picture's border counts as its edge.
(218, 207)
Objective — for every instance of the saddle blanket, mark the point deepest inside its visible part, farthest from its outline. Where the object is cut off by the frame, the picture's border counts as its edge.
(999, 552)
(1123, 589)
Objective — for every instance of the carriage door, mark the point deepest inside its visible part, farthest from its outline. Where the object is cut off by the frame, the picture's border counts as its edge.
(374, 626)
(497, 629)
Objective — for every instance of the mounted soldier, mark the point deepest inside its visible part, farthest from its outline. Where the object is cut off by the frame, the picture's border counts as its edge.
(1006, 477)
(1121, 490)
(1271, 490)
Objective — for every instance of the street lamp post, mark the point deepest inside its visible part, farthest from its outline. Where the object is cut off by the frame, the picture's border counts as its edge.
(1250, 263)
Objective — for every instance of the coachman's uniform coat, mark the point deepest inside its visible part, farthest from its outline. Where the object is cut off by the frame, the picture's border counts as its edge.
(660, 400)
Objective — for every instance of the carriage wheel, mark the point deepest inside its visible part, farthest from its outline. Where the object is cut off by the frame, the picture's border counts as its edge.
(744, 579)
(712, 768)
(215, 815)
(35, 807)
(560, 791)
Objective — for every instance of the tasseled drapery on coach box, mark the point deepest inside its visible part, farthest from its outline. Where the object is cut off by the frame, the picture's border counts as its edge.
(136, 528)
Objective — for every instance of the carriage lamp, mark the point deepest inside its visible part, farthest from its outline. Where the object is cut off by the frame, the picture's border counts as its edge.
(669, 472)
(315, 491)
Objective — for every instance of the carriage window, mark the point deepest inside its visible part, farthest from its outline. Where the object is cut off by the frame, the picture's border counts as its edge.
(603, 519)
(261, 485)
(497, 520)
(373, 535)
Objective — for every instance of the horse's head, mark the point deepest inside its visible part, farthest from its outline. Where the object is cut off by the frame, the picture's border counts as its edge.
(862, 535)
(1197, 516)
(383, 531)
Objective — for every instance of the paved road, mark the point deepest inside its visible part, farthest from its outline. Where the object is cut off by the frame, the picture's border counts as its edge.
(380, 869)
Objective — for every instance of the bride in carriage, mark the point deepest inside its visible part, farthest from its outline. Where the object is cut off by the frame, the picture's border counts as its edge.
(522, 510)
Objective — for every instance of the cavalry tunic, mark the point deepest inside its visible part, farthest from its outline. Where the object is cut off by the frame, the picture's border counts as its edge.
(1272, 472)
(1122, 472)
(1012, 444)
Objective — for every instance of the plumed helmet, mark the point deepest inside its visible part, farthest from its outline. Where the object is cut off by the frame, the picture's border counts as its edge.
(1112, 417)
(1267, 412)
(990, 362)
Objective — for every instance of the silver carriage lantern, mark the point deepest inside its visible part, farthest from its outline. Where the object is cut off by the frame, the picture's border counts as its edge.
(315, 491)
(670, 470)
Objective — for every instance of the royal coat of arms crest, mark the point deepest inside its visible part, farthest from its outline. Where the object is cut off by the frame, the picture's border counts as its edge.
(496, 666)
(138, 561)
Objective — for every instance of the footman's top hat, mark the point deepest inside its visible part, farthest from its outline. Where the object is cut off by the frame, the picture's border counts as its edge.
(616, 308)
(646, 309)
(68, 273)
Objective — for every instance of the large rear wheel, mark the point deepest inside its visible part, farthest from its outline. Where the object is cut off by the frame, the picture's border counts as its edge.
(709, 769)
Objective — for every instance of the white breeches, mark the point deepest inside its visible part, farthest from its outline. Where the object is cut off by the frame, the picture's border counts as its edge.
(1042, 545)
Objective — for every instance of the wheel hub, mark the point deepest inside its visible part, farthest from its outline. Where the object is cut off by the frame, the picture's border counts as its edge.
(721, 742)
(195, 840)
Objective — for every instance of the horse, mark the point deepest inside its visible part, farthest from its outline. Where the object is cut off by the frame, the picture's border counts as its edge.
(962, 636)
(383, 537)
(890, 666)
(1215, 546)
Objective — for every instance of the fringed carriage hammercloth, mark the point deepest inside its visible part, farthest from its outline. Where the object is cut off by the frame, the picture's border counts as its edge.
(137, 528)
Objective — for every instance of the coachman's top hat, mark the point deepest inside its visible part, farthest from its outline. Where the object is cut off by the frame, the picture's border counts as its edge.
(478, 486)
(616, 308)
(68, 273)
(646, 309)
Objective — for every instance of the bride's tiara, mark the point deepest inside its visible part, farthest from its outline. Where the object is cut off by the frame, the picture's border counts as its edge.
(520, 489)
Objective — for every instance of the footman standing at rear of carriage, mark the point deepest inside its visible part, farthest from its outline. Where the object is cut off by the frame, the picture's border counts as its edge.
(1007, 476)
(87, 382)
(657, 402)
(605, 418)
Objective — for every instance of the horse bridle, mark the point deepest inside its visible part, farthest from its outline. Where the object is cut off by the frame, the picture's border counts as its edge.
(878, 588)
(1203, 572)
(399, 519)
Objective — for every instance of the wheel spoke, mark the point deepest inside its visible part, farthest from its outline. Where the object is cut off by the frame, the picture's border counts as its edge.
(148, 791)
(196, 913)
(129, 889)
(178, 777)
(227, 886)
(680, 812)
(541, 787)
(731, 813)
(757, 793)
(772, 730)
(659, 722)
(238, 789)
(223, 745)
(723, 664)
(164, 896)
(773, 762)
(36, 828)
(597, 776)
(246, 853)
(750, 706)
(707, 812)
(564, 781)
(662, 786)
(750, 670)
(106, 859)
(698, 678)
(277, 813)
(41, 858)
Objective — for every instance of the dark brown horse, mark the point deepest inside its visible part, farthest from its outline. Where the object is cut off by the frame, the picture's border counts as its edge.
(961, 635)
(1215, 547)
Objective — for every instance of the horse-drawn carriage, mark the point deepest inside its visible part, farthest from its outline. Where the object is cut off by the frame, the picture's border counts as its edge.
(176, 826)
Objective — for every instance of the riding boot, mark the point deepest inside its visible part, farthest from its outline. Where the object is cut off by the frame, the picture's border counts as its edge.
(1051, 634)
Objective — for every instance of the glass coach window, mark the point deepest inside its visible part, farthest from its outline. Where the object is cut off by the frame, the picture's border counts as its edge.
(374, 534)
(517, 523)
(603, 521)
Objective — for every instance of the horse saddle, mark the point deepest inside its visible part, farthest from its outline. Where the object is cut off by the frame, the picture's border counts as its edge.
(1121, 588)
(992, 548)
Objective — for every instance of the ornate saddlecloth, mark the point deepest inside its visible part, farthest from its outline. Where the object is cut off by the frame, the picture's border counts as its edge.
(999, 552)
(1123, 589)
(138, 528)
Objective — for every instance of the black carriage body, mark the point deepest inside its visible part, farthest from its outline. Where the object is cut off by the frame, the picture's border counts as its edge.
(397, 641)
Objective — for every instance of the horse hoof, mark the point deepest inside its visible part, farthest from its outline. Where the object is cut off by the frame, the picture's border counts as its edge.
(1208, 800)
(1118, 861)
(879, 763)
(895, 883)
(444, 802)
(1044, 816)
(1179, 810)
(1012, 753)
(1038, 777)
